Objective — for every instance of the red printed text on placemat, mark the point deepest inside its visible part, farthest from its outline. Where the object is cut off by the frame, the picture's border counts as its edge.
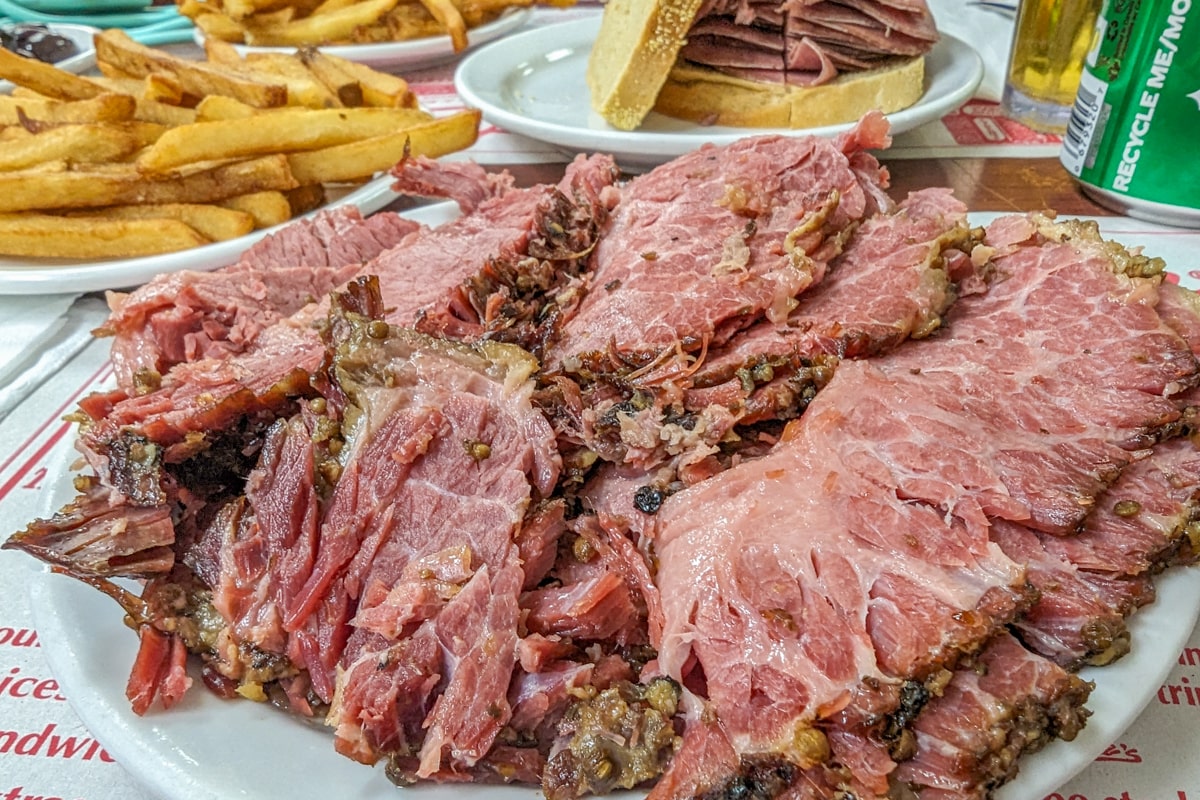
(981, 122)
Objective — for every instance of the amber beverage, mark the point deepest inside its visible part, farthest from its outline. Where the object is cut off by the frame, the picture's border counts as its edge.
(1051, 40)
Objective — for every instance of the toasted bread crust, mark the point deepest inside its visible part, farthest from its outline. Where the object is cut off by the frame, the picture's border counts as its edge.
(710, 97)
(634, 52)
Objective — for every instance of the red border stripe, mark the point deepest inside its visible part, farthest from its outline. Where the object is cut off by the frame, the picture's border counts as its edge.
(55, 437)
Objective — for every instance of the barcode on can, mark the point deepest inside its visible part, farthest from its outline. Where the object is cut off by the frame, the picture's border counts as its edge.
(1085, 115)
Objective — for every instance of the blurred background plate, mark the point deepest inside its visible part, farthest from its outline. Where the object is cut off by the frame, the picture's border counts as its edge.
(407, 54)
(82, 61)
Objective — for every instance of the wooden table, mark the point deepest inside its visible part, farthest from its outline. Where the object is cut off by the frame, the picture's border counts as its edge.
(997, 184)
(984, 184)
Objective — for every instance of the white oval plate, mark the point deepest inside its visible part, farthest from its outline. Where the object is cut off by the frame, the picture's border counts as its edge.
(406, 54)
(82, 61)
(58, 276)
(184, 754)
(534, 84)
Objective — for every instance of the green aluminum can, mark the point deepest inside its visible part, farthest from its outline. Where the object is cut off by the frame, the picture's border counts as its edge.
(1134, 136)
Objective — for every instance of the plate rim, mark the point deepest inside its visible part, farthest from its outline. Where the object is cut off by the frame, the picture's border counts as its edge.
(425, 51)
(575, 34)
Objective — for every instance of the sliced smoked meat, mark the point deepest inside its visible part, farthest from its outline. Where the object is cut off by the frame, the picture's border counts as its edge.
(892, 282)
(1089, 583)
(806, 43)
(707, 244)
(421, 283)
(416, 557)
(187, 315)
(1008, 701)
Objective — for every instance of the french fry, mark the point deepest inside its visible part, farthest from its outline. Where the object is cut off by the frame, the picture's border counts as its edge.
(378, 88)
(22, 91)
(51, 236)
(45, 78)
(448, 17)
(364, 158)
(271, 19)
(217, 26)
(163, 89)
(303, 199)
(268, 209)
(102, 108)
(214, 222)
(218, 106)
(119, 84)
(115, 47)
(223, 53)
(240, 9)
(164, 113)
(161, 153)
(75, 144)
(331, 5)
(344, 85)
(335, 26)
(408, 21)
(158, 86)
(115, 73)
(145, 133)
(147, 109)
(323, 22)
(304, 88)
(281, 130)
(123, 184)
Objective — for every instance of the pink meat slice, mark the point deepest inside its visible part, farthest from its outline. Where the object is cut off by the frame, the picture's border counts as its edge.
(806, 43)
(1091, 582)
(703, 246)
(897, 468)
(1143, 521)
(465, 182)
(1060, 373)
(416, 556)
(259, 549)
(429, 282)
(787, 578)
(892, 282)
(101, 533)
(188, 315)
(969, 739)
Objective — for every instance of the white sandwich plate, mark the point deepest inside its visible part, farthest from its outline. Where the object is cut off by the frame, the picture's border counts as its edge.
(533, 83)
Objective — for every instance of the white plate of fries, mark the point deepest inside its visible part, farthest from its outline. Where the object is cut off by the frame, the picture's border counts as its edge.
(120, 178)
(82, 61)
(401, 54)
(60, 276)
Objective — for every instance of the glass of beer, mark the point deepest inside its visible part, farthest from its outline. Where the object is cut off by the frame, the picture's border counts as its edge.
(1051, 40)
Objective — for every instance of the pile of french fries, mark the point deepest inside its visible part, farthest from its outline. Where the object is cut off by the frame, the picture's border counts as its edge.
(292, 23)
(161, 153)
